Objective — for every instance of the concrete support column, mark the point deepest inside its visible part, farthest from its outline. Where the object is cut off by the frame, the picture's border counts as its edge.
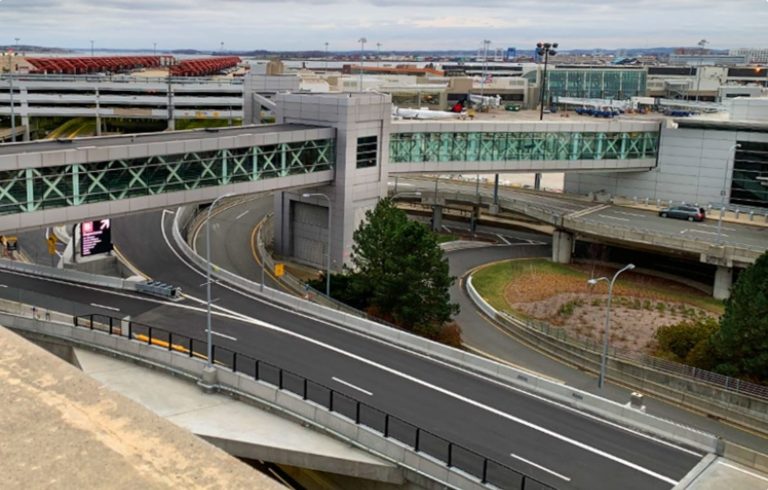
(537, 181)
(437, 217)
(362, 124)
(25, 123)
(723, 281)
(562, 247)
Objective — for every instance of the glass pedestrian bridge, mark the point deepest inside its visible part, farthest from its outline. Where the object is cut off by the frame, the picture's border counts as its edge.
(439, 146)
(37, 188)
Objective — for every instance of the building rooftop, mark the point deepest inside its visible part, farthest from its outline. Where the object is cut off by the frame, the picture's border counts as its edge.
(62, 429)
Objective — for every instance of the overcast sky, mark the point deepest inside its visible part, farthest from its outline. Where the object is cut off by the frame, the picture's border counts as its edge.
(397, 24)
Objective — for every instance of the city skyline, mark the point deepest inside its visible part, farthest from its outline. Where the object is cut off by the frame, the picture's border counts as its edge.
(396, 24)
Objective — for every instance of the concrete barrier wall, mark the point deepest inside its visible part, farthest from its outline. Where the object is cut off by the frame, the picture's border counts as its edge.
(737, 408)
(67, 275)
(263, 394)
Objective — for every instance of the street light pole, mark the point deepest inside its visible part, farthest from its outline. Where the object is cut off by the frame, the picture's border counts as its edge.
(208, 277)
(701, 45)
(91, 47)
(326, 56)
(362, 42)
(604, 357)
(10, 95)
(544, 49)
(378, 56)
(154, 49)
(486, 43)
(723, 192)
(328, 258)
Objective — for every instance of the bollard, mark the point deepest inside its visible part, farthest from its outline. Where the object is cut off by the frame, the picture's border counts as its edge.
(646, 201)
(738, 211)
(658, 203)
(751, 215)
(636, 401)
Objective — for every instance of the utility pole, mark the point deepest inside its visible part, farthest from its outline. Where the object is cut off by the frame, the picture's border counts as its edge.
(362, 42)
(486, 44)
(702, 44)
(171, 123)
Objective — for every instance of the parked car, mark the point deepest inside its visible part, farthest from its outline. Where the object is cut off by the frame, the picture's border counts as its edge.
(690, 213)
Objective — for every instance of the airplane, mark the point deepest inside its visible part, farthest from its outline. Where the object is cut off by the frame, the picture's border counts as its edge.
(423, 113)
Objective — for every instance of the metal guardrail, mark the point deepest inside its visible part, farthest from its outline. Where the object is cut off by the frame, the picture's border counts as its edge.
(727, 383)
(487, 470)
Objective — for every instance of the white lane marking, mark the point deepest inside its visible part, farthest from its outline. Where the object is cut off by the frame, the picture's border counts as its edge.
(219, 334)
(242, 214)
(542, 468)
(447, 230)
(96, 305)
(625, 213)
(742, 470)
(503, 238)
(688, 230)
(345, 383)
(420, 382)
(612, 217)
(3, 286)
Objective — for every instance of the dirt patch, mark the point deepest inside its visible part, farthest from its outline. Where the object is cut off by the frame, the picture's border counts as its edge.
(634, 320)
(641, 304)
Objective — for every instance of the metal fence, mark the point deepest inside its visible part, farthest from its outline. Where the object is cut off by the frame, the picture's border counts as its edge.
(389, 426)
(721, 381)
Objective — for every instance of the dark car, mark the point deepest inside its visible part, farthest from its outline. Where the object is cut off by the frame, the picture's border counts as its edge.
(690, 213)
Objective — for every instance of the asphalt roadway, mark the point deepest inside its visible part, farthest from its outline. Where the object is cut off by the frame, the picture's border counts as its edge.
(232, 231)
(554, 444)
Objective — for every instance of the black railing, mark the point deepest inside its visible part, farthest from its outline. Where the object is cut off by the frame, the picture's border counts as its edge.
(453, 455)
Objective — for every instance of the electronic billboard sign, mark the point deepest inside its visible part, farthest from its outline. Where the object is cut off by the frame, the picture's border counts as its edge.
(95, 237)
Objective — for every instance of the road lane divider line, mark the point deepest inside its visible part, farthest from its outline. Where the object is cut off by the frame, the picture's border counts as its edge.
(346, 383)
(503, 239)
(223, 335)
(111, 308)
(242, 214)
(542, 468)
(420, 382)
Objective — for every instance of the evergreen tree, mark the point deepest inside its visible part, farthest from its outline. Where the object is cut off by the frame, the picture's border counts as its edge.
(742, 342)
(400, 265)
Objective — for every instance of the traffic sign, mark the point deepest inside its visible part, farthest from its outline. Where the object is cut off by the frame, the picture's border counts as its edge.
(52, 244)
(95, 237)
(279, 269)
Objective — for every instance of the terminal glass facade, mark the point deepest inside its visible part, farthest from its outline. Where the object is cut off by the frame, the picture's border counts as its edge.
(595, 83)
(749, 186)
(475, 147)
(34, 189)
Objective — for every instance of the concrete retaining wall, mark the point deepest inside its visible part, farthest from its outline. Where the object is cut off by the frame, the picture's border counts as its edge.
(737, 408)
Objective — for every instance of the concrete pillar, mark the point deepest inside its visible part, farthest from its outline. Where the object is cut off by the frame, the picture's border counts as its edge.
(723, 281)
(562, 247)
(357, 185)
(537, 181)
(25, 123)
(437, 217)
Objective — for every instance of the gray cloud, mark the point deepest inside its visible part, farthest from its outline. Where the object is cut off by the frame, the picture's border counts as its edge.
(399, 24)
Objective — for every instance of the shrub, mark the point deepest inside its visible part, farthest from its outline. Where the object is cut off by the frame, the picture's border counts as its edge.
(681, 338)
